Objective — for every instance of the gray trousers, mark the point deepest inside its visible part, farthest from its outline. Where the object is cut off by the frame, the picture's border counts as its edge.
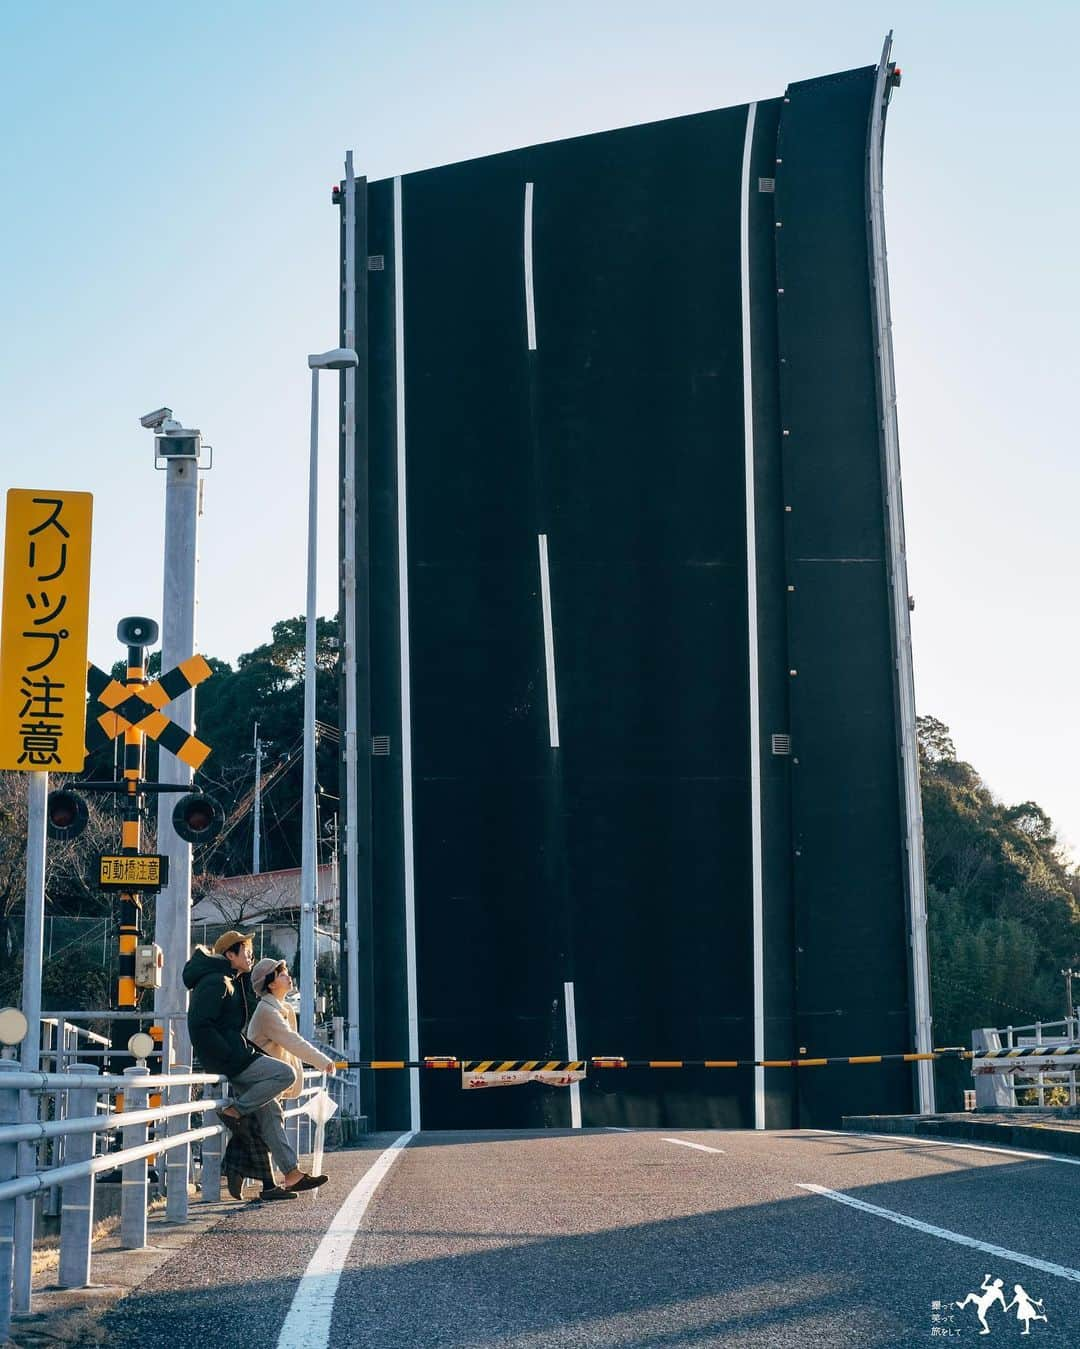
(260, 1082)
(272, 1124)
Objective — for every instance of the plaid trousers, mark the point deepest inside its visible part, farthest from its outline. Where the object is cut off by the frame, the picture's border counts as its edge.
(247, 1154)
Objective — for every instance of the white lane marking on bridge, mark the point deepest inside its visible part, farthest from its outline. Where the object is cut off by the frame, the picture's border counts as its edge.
(684, 1143)
(620, 1129)
(549, 643)
(902, 1220)
(946, 1143)
(530, 309)
(307, 1325)
(571, 1053)
(757, 860)
(408, 844)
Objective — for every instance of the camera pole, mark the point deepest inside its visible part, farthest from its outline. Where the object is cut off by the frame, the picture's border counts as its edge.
(179, 451)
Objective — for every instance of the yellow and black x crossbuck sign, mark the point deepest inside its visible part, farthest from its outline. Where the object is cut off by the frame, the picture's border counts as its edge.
(138, 708)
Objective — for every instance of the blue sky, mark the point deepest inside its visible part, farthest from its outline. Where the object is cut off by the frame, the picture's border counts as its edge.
(168, 238)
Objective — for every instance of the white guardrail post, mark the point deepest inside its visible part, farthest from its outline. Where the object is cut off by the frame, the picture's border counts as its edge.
(178, 1159)
(133, 1186)
(210, 1172)
(9, 1158)
(77, 1207)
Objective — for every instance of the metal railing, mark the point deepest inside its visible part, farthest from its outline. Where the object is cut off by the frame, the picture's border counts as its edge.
(997, 1084)
(84, 1125)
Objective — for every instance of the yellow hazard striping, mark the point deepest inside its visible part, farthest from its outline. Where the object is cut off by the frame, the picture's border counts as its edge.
(617, 1061)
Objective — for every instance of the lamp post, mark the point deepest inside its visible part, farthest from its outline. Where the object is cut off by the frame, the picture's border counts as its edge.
(340, 358)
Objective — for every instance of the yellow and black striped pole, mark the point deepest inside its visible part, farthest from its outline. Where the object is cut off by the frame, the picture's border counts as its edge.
(127, 996)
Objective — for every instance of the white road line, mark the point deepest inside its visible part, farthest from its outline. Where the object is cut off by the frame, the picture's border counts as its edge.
(620, 1129)
(752, 615)
(902, 1220)
(406, 674)
(945, 1143)
(549, 642)
(307, 1325)
(683, 1143)
(530, 310)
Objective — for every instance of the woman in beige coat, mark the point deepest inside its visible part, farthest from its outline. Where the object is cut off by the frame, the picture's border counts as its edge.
(273, 1029)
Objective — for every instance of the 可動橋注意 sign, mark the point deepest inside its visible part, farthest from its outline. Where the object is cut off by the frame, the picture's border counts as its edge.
(147, 871)
(46, 606)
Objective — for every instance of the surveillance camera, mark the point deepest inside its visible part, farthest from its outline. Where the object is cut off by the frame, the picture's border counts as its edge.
(153, 420)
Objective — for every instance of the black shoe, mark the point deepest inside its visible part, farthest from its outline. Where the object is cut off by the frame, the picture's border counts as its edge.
(276, 1192)
(307, 1183)
(236, 1185)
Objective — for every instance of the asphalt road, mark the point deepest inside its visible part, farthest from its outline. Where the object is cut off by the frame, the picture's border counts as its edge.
(630, 1240)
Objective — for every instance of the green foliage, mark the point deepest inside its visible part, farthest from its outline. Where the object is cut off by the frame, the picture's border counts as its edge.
(267, 689)
(1003, 905)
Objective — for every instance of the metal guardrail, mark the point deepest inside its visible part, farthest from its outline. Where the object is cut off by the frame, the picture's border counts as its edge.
(78, 1125)
(1000, 1071)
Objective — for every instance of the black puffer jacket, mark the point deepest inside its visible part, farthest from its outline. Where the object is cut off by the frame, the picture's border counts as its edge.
(221, 1002)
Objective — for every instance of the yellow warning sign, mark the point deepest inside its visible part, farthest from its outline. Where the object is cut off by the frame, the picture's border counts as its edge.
(149, 871)
(46, 607)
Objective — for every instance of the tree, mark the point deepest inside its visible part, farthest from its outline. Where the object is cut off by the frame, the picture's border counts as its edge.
(70, 866)
(267, 688)
(935, 743)
(1002, 905)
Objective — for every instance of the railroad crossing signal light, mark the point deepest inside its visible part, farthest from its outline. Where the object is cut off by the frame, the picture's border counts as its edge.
(197, 818)
(65, 815)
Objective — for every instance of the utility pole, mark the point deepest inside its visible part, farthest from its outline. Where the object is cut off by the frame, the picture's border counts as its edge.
(179, 452)
(256, 850)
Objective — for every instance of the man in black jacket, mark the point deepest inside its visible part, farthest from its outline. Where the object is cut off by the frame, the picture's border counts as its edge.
(221, 1002)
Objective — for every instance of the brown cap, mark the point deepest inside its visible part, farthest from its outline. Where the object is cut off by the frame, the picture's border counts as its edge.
(228, 939)
(261, 969)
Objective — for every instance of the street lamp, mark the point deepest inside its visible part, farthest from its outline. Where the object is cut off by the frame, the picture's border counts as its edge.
(340, 358)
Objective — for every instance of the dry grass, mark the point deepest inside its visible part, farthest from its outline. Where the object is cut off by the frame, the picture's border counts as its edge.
(47, 1249)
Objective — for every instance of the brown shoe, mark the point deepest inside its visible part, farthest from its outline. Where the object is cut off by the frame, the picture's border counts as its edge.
(307, 1183)
(276, 1192)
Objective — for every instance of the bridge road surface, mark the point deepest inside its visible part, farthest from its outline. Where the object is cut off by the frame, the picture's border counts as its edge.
(631, 1240)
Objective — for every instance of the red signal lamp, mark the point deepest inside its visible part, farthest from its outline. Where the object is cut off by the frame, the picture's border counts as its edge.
(65, 815)
(197, 818)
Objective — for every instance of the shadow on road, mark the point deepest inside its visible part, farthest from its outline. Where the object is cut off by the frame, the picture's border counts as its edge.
(802, 1271)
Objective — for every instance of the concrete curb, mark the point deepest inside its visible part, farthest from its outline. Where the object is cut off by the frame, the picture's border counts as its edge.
(1040, 1137)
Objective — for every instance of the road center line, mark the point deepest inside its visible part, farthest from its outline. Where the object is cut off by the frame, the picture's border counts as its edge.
(902, 1220)
(530, 310)
(549, 642)
(929, 1143)
(307, 1325)
(683, 1143)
